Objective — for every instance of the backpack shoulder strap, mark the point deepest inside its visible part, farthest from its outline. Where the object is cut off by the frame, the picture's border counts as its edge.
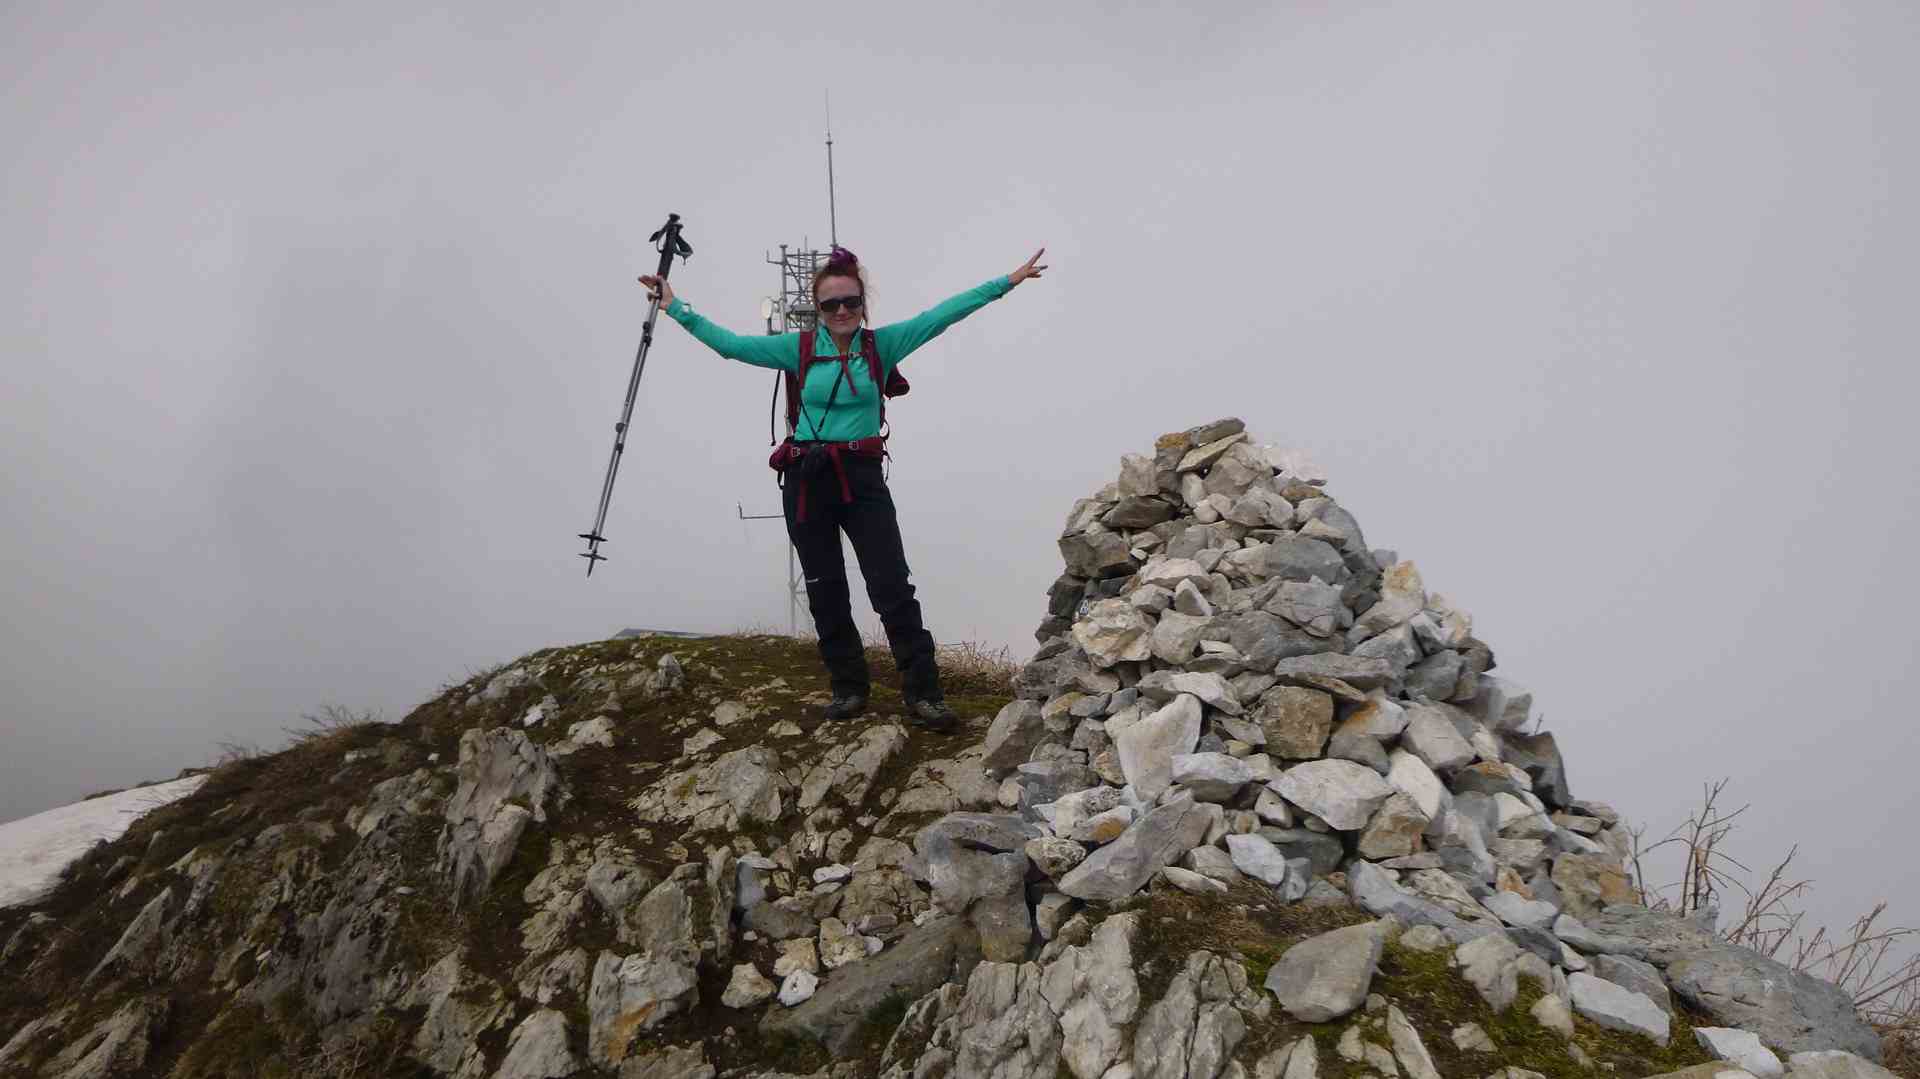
(871, 346)
(797, 379)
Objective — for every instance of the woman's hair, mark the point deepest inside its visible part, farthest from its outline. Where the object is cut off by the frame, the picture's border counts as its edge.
(842, 263)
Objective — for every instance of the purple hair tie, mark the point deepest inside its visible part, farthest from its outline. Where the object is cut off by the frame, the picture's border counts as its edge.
(842, 257)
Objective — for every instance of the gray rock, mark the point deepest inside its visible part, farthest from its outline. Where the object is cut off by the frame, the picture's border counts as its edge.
(538, 1049)
(1432, 736)
(1258, 859)
(1054, 857)
(1361, 672)
(1513, 909)
(1194, 1027)
(1491, 965)
(1435, 676)
(1315, 607)
(1212, 690)
(1004, 924)
(1328, 976)
(1834, 1064)
(1188, 599)
(1135, 512)
(747, 988)
(1396, 646)
(146, 935)
(1322, 852)
(1401, 597)
(1147, 748)
(1122, 867)
(1377, 893)
(1408, 1049)
(1211, 777)
(1394, 830)
(1190, 882)
(1629, 973)
(1492, 778)
(998, 833)
(738, 790)
(1472, 1039)
(1342, 793)
(1104, 827)
(1550, 1011)
(999, 1024)
(116, 1045)
(1539, 756)
(505, 782)
(1352, 742)
(798, 987)
(1051, 913)
(1589, 883)
(926, 958)
(1093, 990)
(1114, 631)
(1293, 558)
(779, 920)
(1500, 704)
(1787, 1008)
(1617, 1008)
(1176, 636)
(1241, 730)
(1740, 1048)
(1016, 732)
(630, 995)
(1296, 721)
(1070, 810)
(1095, 555)
(1212, 863)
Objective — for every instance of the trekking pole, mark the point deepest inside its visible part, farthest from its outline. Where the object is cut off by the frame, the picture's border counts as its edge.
(669, 243)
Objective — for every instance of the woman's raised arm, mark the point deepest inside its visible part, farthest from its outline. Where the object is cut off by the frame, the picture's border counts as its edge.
(898, 340)
(781, 352)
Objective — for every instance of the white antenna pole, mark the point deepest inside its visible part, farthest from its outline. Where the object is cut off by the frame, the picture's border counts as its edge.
(833, 216)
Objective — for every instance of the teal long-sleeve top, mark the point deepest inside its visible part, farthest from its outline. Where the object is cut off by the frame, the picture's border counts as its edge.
(856, 409)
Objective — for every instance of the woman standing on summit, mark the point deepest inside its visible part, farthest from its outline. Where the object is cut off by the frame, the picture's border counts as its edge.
(833, 479)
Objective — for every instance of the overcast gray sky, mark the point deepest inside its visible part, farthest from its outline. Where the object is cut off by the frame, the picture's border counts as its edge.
(315, 323)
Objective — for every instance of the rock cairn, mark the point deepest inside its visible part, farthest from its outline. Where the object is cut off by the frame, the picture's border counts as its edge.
(1231, 684)
(1230, 681)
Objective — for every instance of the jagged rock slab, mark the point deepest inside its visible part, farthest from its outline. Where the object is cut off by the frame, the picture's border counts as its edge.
(1328, 976)
(1741, 1048)
(1617, 1008)
(926, 958)
(1342, 793)
(1125, 865)
(1736, 986)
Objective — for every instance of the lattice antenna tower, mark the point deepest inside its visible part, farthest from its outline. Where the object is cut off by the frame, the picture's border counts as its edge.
(791, 310)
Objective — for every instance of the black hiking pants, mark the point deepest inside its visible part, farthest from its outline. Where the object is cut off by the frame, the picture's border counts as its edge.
(868, 520)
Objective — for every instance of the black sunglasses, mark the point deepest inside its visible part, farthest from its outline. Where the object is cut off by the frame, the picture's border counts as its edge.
(851, 303)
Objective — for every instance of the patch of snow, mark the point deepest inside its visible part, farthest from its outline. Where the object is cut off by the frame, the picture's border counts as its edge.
(35, 850)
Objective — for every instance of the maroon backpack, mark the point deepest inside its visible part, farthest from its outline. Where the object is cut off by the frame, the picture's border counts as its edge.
(894, 385)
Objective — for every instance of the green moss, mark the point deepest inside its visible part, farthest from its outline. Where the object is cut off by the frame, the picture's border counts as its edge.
(1436, 999)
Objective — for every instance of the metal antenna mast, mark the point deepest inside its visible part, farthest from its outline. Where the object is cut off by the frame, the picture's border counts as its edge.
(833, 215)
(791, 310)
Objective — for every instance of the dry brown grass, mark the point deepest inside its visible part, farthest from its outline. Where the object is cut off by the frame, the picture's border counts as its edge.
(967, 668)
(1878, 965)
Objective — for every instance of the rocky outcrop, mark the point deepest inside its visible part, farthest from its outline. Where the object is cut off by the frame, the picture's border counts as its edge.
(615, 860)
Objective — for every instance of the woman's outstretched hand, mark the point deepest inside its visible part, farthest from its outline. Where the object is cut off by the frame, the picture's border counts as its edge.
(657, 286)
(1029, 268)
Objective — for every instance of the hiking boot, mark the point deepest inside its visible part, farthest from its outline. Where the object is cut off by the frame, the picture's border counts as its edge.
(933, 715)
(846, 707)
